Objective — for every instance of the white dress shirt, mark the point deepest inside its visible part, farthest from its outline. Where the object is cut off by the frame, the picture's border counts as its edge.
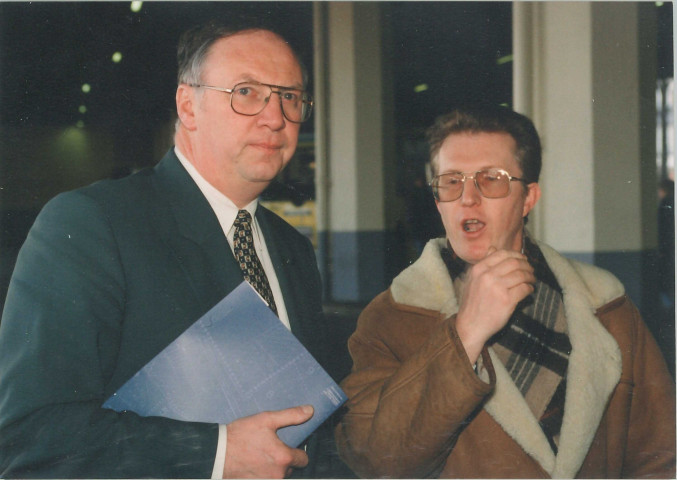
(226, 211)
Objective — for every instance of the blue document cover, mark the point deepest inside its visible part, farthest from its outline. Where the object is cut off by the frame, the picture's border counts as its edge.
(235, 361)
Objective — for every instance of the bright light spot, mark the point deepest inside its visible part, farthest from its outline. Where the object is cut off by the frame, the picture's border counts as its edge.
(421, 88)
(504, 59)
(659, 4)
(73, 147)
(117, 56)
(86, 88)
(136, 6)
(82, 109)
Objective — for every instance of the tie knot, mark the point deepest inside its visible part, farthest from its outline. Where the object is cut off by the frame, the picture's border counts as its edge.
(243, 217)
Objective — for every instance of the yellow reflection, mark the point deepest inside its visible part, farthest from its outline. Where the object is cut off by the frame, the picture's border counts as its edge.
(504, 59)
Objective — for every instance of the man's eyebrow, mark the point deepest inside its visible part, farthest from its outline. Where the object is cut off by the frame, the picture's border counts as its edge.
(247, 78)
(288, 87)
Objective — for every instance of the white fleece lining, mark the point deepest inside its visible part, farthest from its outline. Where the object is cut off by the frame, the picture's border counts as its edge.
(508, 407)
(594, 363)
(415, 285)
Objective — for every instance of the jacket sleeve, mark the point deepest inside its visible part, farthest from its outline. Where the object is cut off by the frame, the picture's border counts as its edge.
(650, 447)
(59, 338)
(407, 405)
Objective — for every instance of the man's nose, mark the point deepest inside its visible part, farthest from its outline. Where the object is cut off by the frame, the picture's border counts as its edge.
(272, 114)
(470, 195)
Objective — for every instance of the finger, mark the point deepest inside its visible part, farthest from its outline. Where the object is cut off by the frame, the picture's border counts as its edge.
(510, 265)
(497, 256)
(299, 458)
(291, 416)
(514, 269)
(520, 292)
(492, 270)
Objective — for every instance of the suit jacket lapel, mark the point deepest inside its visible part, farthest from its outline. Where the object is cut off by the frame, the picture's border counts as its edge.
(203, 251)
(194, 234)
(283, 260)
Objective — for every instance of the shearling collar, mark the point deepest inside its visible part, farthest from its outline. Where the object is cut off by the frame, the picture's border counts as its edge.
(594, 365)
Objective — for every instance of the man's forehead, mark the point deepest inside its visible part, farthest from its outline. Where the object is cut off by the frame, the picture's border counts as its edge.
(254, 51)
(251, 42)
(458, 142)
(479, 149)
(481, 135)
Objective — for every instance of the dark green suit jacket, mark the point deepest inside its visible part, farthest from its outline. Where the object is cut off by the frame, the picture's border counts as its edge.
(108, 276)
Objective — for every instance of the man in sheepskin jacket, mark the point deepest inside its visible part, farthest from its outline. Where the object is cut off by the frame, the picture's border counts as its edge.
(493, 356)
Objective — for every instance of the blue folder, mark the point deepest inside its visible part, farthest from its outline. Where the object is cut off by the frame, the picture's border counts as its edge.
(235, 361)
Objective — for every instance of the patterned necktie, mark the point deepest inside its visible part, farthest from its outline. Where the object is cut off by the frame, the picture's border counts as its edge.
(245, 254)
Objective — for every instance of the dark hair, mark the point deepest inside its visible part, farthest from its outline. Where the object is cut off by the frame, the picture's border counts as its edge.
(195, 43)
(490, 120)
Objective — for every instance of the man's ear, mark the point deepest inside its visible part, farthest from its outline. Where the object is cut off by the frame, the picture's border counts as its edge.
(186, 104)
(533, 195)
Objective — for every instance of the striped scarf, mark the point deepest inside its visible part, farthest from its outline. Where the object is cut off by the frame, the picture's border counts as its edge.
(533, 346)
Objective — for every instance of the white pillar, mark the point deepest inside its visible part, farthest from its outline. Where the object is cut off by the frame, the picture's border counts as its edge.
(585, 73)
(350, 148)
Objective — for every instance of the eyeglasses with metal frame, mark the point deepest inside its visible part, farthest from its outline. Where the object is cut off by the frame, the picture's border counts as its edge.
(250, 98)
(490, 182)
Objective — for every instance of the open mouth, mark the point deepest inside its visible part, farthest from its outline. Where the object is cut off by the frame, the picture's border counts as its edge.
(472, 225)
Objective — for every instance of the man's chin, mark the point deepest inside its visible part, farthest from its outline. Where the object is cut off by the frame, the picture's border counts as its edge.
(471, 248)
(471, 255)
(264, 171)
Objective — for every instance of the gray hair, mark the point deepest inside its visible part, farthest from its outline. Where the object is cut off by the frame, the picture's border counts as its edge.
(195, 44)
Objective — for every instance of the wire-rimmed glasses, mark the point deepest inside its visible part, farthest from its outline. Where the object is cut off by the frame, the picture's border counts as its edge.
(250, 98)
(490, 182)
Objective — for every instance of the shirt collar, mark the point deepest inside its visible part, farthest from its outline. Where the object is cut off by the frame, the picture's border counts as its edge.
(225, 209)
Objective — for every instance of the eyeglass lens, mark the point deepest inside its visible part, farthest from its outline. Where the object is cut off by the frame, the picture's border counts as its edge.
(251, 99)
(492, 183)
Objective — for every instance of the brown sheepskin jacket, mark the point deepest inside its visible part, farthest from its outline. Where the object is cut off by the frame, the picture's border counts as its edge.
(418, 409)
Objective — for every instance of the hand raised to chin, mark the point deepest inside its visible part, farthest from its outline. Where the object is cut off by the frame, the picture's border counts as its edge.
(493, 288)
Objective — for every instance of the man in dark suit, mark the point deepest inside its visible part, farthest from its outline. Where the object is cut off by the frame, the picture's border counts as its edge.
(113, 272)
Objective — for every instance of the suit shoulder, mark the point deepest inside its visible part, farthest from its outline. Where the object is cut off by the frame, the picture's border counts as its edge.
(279, 224)
(106, 200)
(111, 192)
(119, 188)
